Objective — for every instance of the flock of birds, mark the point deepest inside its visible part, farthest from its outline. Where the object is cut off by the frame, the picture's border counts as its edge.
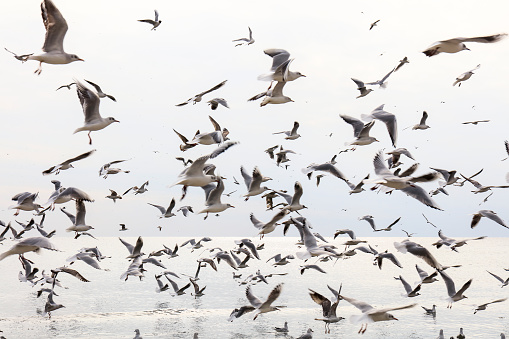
(199, 172)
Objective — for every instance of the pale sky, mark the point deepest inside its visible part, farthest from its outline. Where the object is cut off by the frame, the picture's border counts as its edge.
(149, 72)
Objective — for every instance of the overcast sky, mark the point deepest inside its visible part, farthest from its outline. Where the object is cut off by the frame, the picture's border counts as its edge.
(149, 72)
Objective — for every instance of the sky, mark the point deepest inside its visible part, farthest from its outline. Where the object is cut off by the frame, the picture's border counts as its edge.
(149, 72)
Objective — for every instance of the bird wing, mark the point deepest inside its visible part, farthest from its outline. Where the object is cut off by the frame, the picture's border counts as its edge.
(170, 207)
(279, 56)
(493, 216)
(295, 128)
(449, 283)
(421, 272)
(484, 39)
(406, 285)
(256, 180)
(79, 157)
(71, 272)
(130, 247)
(278, 89)
(215, 195)
(156, 15)
(359, 304)
(69, 215)
(321, 300)
(80, 212)
(274, 294)
(496, 277)
(420, 194)
(89, 102)
(298, 193)
(359, 83)
(246, 176)
(138, 246)
(213, 88)
(215, 124)
(390, 122)
(55, 25)
(160, 208)
(388, 309)
(379, 164)
(252, 298)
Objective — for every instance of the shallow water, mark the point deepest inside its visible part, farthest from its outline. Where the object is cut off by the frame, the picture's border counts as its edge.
(108, 307)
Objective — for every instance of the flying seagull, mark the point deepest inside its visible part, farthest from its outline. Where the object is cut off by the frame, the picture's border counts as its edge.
(456, 45)
(155, 23)
(53, 47)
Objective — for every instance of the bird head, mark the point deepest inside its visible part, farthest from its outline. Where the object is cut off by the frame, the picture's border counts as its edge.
(74, 57)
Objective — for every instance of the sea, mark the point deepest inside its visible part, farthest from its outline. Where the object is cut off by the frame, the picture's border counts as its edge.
(108, 307)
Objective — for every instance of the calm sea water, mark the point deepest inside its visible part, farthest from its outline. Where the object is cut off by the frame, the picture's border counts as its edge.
(108, 307)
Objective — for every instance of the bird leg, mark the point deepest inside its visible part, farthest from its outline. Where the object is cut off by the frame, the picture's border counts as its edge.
(17, 212)
(89, 138)
(206, 216)
(38, 72)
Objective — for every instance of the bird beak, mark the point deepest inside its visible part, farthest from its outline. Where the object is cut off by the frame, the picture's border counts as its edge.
(80, 59)
(395, 318)
(116, 120)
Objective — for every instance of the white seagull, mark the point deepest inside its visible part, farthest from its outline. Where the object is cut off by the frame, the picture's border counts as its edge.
(371, 314)
(456, 45)
(245, 41)
(90, 103)
(53, 47)
(280, 66)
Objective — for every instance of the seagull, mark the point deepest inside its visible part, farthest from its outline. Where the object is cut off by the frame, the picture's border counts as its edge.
(396, 154)
(422, 123)
(405, 184)
(328, 168)
(87, 258)
(307, 335)
(138, 335)
(452, 243)
(106, 169)
(29, 274)
(198, 97)
(401, 63)
(165, 212)
(25, 201)
(387, 118)
(488, 214)
(419, 251)
(194, 175)
(409, 291)
(293, 200)
(265, 228)
(360, 131)
(253, 183)
(67, 164)
(371, 314)
(113, 195)
(198, 292)
(62, 195)
(431, 311)
(187, 145)
(134, 251)
(481, 188)
(138, 190)
(245, 41)
(33, 244)
(123, 228)
(504, 282)
(451, 289)
(66, 86)
(465, 76)
(373, 24)
(53, 47)
(328, 308)
(291, 135)
(425, 277)
(215, 137)
(264, 307)
(214, 103)
(155, 23)
(457, 44)
(90, 103)
(483, 306)
(283, 329)
(382, 82)
(79, 224)
(281, 261)
(362, 88)
(303, 268)
(276, 96)
(474, 122)
(280, 67)
(213, 202)
(350, 233)
(309, 240)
